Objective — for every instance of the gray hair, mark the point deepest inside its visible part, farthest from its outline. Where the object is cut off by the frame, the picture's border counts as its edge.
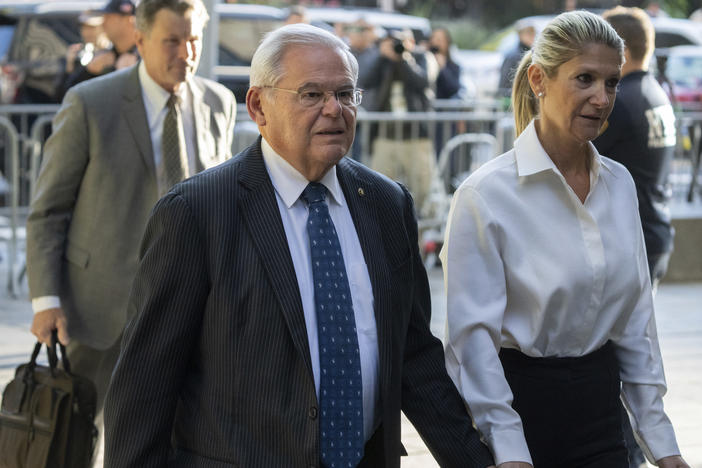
(146, 11)
(564, 38)
(267, 62)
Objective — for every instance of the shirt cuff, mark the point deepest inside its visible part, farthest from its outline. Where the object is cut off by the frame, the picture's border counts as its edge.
(658, 443)
(509, 446)
(42, 303)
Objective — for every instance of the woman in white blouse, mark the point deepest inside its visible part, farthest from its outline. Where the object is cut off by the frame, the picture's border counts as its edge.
(549, 300)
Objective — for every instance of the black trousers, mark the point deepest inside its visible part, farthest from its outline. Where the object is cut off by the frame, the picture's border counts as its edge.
(570, 408)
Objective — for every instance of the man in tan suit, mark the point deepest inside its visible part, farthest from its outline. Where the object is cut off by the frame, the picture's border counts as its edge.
(115, 141)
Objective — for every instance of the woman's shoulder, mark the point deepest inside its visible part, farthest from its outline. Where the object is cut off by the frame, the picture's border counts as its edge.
(615, 168)
(500, 167)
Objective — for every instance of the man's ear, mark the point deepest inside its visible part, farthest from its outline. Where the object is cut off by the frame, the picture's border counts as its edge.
(254, 105)
(139, 41)
(537, 78)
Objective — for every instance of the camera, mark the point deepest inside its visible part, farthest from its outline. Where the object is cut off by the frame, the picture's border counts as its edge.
(397, 46)
(433, 49)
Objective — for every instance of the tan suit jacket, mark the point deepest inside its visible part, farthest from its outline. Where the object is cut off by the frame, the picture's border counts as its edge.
(96, 188)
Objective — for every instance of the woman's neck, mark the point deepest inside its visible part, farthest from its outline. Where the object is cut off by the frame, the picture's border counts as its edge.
(570, 157)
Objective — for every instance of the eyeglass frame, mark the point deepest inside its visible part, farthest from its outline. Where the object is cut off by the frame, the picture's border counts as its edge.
(327, 95)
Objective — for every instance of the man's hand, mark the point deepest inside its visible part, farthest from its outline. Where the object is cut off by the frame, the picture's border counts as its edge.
(71, 54)
(441, 59)
(515, 465)
(102, 60)
(387, 49)
(672, 462)
(126, 60)
(49, 320)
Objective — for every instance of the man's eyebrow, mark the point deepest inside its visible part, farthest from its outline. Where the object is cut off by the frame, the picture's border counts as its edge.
(315, 85)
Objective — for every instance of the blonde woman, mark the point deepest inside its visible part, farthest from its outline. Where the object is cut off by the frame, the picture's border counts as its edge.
(550, 314)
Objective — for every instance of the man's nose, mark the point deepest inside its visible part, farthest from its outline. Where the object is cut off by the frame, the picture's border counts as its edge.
(186, 50)
(331, 105)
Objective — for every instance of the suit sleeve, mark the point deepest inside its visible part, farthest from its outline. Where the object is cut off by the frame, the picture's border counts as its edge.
(66, 158)
(449, 80)
(429, 398)
(229, 132)
(166, 305)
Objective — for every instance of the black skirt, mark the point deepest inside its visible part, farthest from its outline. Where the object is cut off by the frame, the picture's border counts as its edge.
(570, 408)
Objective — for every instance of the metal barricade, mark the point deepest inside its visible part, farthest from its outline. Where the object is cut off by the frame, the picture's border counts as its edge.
(690, 127)
(437, 205)
(10, 231)
(26, 127)
(437, 126)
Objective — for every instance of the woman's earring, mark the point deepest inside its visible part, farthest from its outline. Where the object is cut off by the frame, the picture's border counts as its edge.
(541, 94)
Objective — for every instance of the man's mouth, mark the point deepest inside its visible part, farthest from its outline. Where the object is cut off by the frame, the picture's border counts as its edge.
(594, 118)
(331, 132)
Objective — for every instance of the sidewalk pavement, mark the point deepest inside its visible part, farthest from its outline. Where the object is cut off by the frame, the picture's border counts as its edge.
(678, 313)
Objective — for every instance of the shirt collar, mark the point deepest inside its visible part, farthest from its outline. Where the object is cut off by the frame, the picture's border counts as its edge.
(532, 158)
(289, 182)
(155, 97)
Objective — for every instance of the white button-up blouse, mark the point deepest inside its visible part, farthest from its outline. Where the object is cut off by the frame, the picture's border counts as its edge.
(528, 266)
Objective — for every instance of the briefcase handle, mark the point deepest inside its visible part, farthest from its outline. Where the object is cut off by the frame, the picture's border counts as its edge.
(51, 352)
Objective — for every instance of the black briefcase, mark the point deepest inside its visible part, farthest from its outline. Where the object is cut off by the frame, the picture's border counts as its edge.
(47, 416)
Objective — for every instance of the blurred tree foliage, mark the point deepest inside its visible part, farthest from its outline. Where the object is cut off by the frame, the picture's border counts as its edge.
(500, 13)
(472, 22)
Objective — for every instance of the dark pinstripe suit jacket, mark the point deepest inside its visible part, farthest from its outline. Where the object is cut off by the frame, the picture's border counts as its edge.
(215, 368)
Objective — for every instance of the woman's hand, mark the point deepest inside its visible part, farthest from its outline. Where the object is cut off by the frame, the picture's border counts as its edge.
(672, 462)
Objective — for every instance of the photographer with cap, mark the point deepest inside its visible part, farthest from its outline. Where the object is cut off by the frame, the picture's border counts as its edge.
(119, 26)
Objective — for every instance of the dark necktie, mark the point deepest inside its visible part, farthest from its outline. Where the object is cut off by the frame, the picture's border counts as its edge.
(340, 389)
(174, 161)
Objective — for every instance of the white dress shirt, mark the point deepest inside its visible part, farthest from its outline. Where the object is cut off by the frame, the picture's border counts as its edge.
(528, 266)
(155, 98)
(289, 184)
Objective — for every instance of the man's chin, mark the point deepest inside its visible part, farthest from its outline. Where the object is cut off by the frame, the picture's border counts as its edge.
(335, 153)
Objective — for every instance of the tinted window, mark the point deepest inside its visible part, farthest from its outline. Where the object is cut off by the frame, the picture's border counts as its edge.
(39, 52)
(6, 31)
(667, 39)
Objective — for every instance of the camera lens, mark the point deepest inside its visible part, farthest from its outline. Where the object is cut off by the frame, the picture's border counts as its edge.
(399, 48)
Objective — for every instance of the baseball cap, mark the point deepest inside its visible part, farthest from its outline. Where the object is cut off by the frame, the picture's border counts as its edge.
(122, 7)
(90, 18)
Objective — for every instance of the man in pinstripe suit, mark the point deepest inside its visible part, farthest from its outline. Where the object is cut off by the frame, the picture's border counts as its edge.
(220, 363)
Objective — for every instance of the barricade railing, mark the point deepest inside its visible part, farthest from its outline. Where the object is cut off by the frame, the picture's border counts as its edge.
(27, 127)
(690, 127)
(9, 230)
(439, 127)
(31, 123)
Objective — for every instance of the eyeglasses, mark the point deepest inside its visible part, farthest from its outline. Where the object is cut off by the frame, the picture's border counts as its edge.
(350, 97)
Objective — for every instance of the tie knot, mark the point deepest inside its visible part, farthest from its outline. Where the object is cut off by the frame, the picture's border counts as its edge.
(314, 193)
(173, 101)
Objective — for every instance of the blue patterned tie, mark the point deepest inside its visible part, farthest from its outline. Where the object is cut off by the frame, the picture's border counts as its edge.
(340, 389)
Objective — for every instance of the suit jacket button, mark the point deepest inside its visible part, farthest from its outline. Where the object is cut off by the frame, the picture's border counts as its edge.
(313, 412)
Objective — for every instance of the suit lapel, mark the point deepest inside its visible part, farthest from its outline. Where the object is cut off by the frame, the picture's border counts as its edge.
(135, 115)
(362, 199)
(201, 114)
(259, 209)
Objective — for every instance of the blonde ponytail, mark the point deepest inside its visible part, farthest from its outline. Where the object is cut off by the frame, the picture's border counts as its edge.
(523, 100)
